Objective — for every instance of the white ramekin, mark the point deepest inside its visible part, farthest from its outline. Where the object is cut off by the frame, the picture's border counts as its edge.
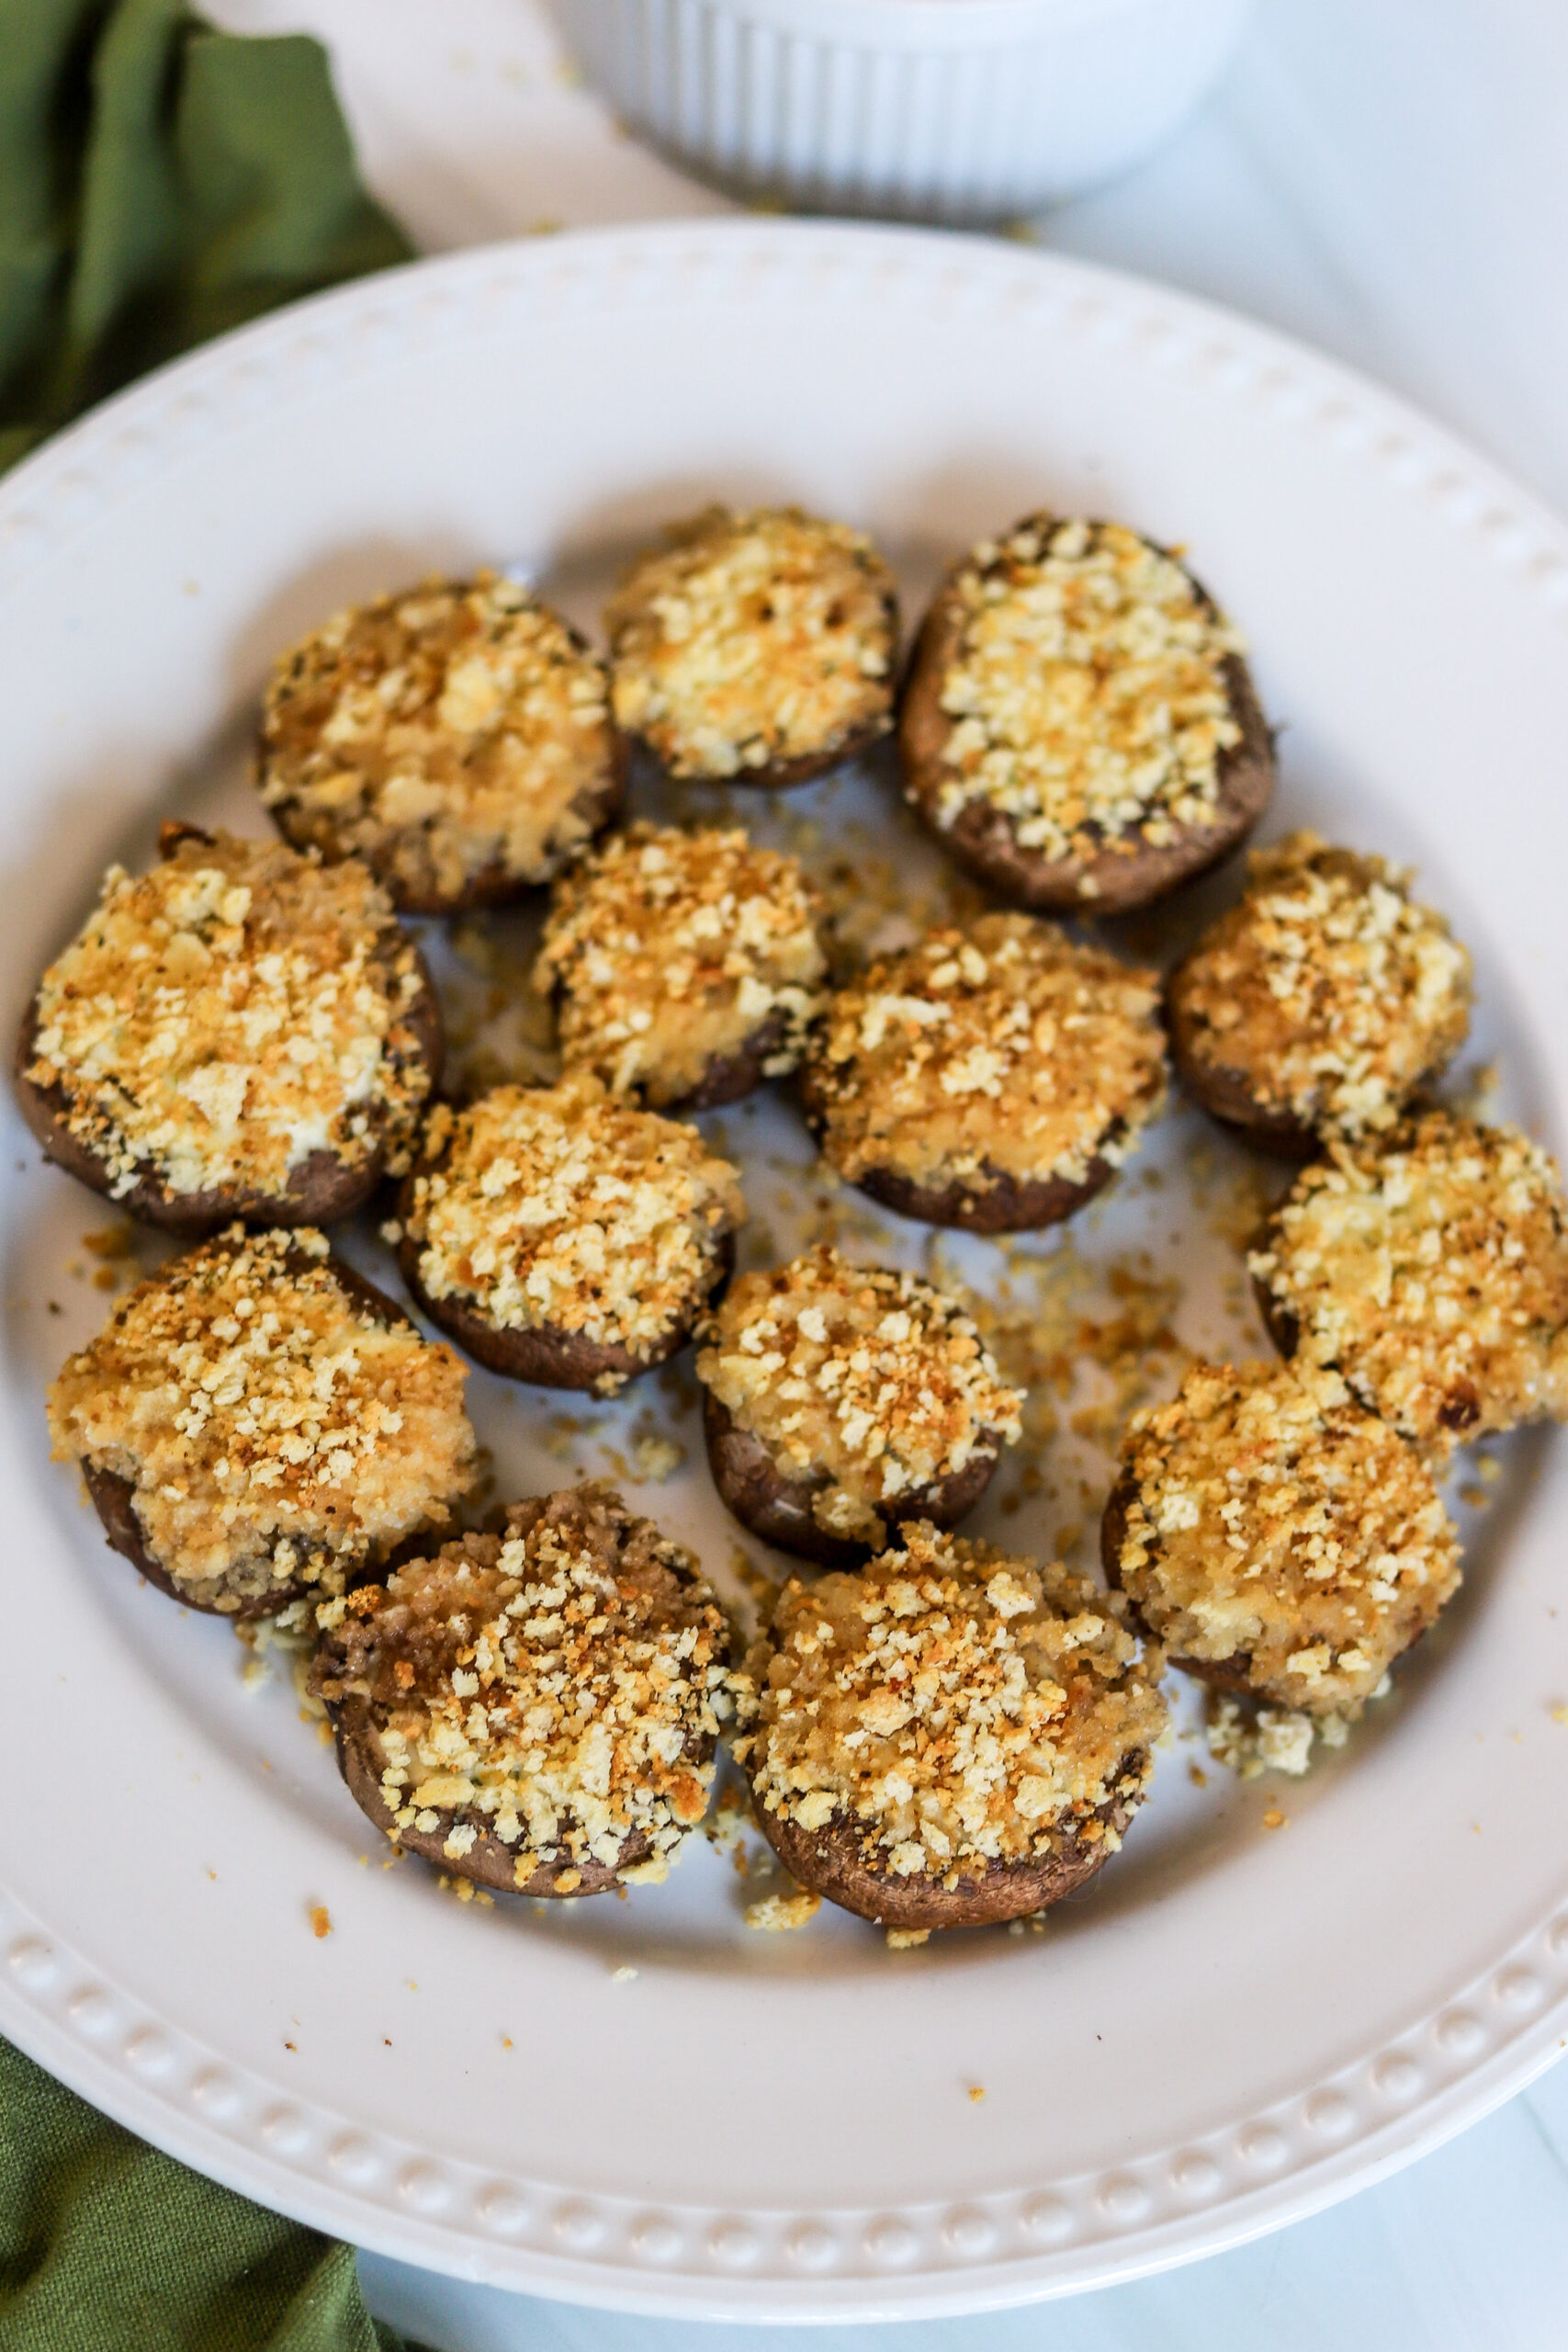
(947, 109)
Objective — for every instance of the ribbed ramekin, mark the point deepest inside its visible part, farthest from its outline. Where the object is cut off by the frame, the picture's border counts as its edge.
(948, 109)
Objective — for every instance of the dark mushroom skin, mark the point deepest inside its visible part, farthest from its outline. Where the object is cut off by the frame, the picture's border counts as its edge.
(1122, 875)
(727, 1078)
(1004, 1204)
(1227, 1095)
(114, 1498)
(544, 1354)
(831, 1862)
(321, 1190)
(778, 1508)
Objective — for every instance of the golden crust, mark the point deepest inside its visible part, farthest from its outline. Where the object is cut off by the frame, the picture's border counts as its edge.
(874, 1378)
(671, 953)
(456, 737)
(956, 1706)
(1000, 1051)
(1324, 998)
(223, 1020)
(541, 1706)
(565, 1209)
(1085, 691)
(1273, 1533)
(275, 1429)
(758, 645)
(1429, 1269)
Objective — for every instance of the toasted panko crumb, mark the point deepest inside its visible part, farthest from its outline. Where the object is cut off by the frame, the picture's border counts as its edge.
(221, 1018)
(1432, 1270)
(275, 1430)
(1326, 989)
(958, 1706)
(558, 1688)
(778, 1914)
(871, 1381)
(752, 641)
(671, 951)
(457, 731)
(1271, 1521)
(1087, 688)
(562, 1207)
(320, 1920)
(1001, 1049)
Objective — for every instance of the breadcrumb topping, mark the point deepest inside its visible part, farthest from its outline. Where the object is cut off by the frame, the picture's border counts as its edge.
(1328, 989)
(1087, 690)
(873, 1381)
(561, 1207)
(455, 731)
(958, 1706)
(1275, 1523)
(1432, 1270)
(1001, 1049)
(559, 1687)
(219, 1019)
(276, 1429)
(673, 950)
(752, 640)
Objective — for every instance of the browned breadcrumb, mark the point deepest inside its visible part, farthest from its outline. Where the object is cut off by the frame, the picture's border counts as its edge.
(999, 1049)
(780, 1913)
(874, 1378)
(558, 1688)
(458, 730)
(220, 1019)
(673, 950)
(753, 640)
(561, 1207)
(1274, 1523)
(276, 1432)
(1432, 1270)
(1086, 689)
(1327, 989)
(960, 1705)
(320, 1920)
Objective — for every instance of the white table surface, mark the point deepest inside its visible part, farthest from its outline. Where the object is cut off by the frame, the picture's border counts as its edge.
(1385, 178)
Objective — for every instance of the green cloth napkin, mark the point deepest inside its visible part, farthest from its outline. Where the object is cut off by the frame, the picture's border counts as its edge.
(159, 182)
(107, 2247)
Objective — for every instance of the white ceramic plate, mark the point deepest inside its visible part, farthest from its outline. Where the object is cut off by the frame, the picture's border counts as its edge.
(1238, 2024)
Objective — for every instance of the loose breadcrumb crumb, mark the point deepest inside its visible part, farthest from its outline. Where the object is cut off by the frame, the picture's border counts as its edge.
(778, 1914)
(320, 1920)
